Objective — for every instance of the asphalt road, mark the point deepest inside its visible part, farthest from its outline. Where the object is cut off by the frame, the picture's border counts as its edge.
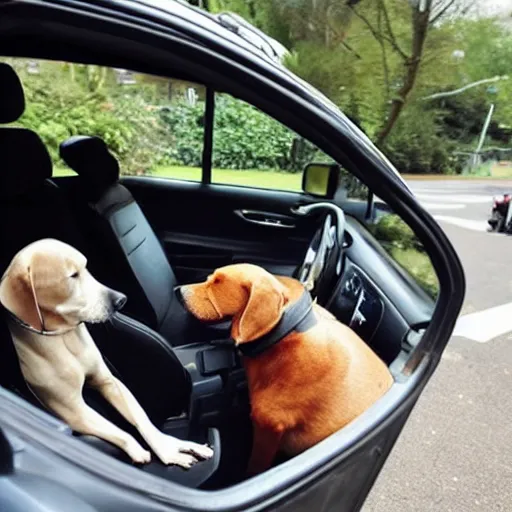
(455, 452)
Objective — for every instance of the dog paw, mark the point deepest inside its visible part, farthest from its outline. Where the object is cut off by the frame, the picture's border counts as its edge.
(183, 460)
(137, 453)
(172, 455)
(202, 451)
(181, 453)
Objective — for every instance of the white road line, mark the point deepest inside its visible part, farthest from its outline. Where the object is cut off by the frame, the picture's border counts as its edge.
(443, 206)
(440, 192)
(457, 198)
(439, 202)
(474, 225)
(483, 326)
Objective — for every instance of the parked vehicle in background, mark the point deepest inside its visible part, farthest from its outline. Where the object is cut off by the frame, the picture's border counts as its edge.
(499, 220)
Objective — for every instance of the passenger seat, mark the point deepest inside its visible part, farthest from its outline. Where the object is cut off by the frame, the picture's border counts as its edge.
(116, 220)
(31, 208)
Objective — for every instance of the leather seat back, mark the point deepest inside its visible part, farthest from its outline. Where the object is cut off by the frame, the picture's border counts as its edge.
(149, 279)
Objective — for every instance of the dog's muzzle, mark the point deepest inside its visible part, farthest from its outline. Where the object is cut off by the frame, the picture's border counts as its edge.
(182, 292)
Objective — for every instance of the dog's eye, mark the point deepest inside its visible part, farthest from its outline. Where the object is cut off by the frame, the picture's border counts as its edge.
(74, 275)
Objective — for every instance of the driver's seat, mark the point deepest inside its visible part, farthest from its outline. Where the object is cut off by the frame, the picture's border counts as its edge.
(108, 210)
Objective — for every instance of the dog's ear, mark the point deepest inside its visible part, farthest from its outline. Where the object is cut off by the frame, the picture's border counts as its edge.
(263, 310)
(18, 294)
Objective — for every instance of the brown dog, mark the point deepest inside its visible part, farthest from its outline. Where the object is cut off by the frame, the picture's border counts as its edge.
(307, 386)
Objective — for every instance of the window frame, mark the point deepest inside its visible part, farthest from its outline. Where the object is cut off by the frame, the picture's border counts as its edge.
(209, 121)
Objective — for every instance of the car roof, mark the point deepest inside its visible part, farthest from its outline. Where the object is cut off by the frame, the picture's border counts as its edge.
(227, 25)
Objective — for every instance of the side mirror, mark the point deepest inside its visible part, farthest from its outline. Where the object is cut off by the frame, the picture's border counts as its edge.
(321, 180)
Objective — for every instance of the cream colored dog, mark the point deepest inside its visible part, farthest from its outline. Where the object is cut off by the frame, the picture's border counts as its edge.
(50, 293)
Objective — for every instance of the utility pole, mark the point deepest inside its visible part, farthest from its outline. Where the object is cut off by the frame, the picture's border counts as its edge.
(476, 155)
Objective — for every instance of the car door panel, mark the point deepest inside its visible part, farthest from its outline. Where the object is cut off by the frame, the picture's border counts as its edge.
(203, 227)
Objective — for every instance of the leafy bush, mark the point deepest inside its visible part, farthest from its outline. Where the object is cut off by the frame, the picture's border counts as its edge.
(247, 138)
(399, 240)
(244, 137)
(418, 145)
(130, 132)
(59, 105)
(144, 141)
(185, 128)
(392, 230)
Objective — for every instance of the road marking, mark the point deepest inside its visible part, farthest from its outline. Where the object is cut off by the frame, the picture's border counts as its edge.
(439, 193)
(443, 206)
(474, 225)
(483, 326)
(457, 198)
(443, 201)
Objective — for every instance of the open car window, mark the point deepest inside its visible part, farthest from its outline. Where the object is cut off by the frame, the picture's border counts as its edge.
(154, 126)
(252, 149)
(389, 229)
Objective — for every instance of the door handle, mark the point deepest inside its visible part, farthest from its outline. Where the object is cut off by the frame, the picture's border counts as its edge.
(267, 219)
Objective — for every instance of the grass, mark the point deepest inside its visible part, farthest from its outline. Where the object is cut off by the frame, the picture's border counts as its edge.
(501, 171)
(415, 262)
(279, 180)
(276, 180)
(419, 266)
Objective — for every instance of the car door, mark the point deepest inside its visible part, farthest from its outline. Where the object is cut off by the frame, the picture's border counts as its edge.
(223, 224)
(203, 227)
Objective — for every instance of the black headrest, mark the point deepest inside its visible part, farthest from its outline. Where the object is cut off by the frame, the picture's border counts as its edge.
(90, 158)
(12, 99)
(25, 162)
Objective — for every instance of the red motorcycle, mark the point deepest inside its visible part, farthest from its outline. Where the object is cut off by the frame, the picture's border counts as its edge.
(500, 220)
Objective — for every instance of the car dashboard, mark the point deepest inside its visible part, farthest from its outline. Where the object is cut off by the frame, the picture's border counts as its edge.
(376, 298)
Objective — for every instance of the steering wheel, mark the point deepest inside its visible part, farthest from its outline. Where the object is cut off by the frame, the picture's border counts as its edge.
(322, 265)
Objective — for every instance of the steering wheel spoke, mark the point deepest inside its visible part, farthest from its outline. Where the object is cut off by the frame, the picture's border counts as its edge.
(322, 260)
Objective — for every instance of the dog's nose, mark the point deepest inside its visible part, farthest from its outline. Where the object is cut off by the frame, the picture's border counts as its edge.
(117, 299)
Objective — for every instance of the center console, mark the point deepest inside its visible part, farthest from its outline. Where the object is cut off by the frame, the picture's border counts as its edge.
(218, 380)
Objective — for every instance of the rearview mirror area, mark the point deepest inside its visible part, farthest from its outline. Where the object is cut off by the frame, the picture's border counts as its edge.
(321, 180)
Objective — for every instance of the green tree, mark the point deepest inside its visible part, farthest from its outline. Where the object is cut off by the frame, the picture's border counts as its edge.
(406, 40)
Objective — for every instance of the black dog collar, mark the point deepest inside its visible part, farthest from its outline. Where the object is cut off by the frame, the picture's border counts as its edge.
(298, 317)
(27, 327)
